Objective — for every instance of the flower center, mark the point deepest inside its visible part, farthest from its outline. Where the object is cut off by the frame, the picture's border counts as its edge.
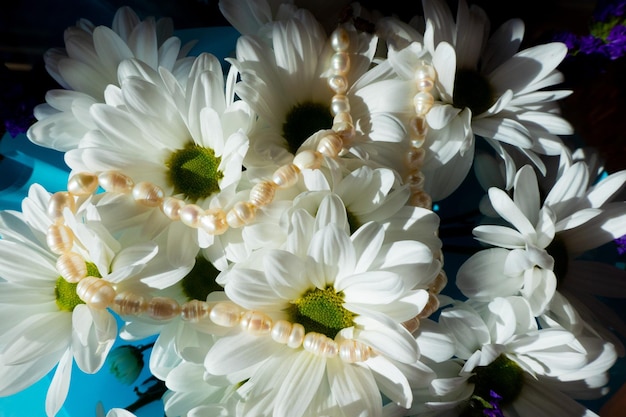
(502, 376)
(321, 311)
(472, 90)
(65, 292)
(558, 251)
(200, 281)
(303, 120)
(193, 172)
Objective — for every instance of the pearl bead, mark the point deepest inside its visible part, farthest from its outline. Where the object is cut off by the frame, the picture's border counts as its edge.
(225, 314)
(148, 194)
(421, 199)
(431, 306)
(330, 145)
(423, 103)
(308, 160)
(71, 266)
(213, 221)
(241, 214)
(320, 344)
(418, 128)
(412, 325)
(59, 238)
(338, 83)
(340, 39)
(439, 283)
(190, 215)
(339, 104)
(58, 202)
(127, 303)
(163, 308)
(116, 182)
(352, 351)
(286, 176)
(340, 63)
(171, 207)
(281, 330)
(194, 311)
(296, 336)
(82, 183)
(424, 76)
(415, 157)
(95, 292)
(256, 323)
(345, 130)
(416, 180)
(262, 193)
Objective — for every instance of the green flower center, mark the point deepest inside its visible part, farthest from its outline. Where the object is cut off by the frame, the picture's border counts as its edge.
(321, 311)
(558, 251)
(302, 121)
(193, 172)
(200, 281)
(472, 90)
(65, 292)
(502, 376)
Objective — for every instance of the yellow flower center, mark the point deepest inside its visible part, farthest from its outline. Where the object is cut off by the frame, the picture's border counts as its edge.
(322, 311)
(193, 172)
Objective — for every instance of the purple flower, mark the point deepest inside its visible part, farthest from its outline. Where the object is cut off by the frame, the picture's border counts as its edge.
(590, 44)
(621, 245)
(569, 39)
(616, 42)
(494, 402)
(606, 11)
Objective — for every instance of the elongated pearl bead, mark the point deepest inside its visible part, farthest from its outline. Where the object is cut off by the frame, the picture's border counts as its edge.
(59, 238)
(423, 102)
(190, 215)
(262, 193)
(241, 214)
(308, 160)
(256, 323)
(95, 292)
(415, 157)
(412, 324)
(419, 128)
(116, 182)
(340, 39)
(171, 207)
(296, 336)
(431, 306)
(340, 63)
(194, 311)
(286, 176)
(339, 104)
(71, 266)
(320, 344)
(225, 314)
(330, 145)
(425, 77)
(163, 308)
(439, 283)
(58, 202)
(416, 179)
(352, 351)
(280, 331)
(128, 303)
(148, 194)
(338, 83)
(213, 221)
(421, 199)
(82, 183)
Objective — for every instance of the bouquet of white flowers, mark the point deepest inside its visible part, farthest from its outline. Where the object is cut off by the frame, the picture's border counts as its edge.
(276, 221)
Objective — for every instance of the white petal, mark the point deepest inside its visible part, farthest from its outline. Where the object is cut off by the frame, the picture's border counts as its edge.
(355, 389)
(60, 385)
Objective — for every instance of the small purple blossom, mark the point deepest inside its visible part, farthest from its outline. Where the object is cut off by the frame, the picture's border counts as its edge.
(494, 402)
(590, 44)
(616, 42)
(569, 39)
(621, 245)
(609, 10)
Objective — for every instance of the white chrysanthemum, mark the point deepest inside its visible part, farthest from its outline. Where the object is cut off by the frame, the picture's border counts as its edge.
(89, 63)
(336, 285)
(541, 252)
(485, 88)
(50, 325)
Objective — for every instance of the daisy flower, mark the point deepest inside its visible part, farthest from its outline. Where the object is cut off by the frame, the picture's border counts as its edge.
(544, 250)
(484, 87)
(89, 63)
(50, 324)
(341, 290)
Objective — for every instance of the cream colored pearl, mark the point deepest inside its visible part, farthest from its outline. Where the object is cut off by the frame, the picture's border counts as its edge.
(439, 283)
(421, 199)
(95, 292)
(194, 311)
(423, 102)
(416, 180)
(241, 214)
(415, 157)
(127, 303)
(296, 336)
(82, 183)
(320, 345)
(171, 207)
(163, 308)
(419, 128)
(412, 324)
(431, 306)
(190, 215)
(345, 130)
(340, 63)
(330, 145)
(58, 202)
(225, 314)
(71, 266)
(339, 104)
(352, 351)
(262, 193)
(425, 76)
(286, 176)
(59, 238)
(116, 182)
(338, 83)
(340, 39)
(256, 323)
(213, 221)
(281, 330)
(148, 194)
(308, 160)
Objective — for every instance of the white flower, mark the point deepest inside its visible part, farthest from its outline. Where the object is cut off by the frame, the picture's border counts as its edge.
(89, 63)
